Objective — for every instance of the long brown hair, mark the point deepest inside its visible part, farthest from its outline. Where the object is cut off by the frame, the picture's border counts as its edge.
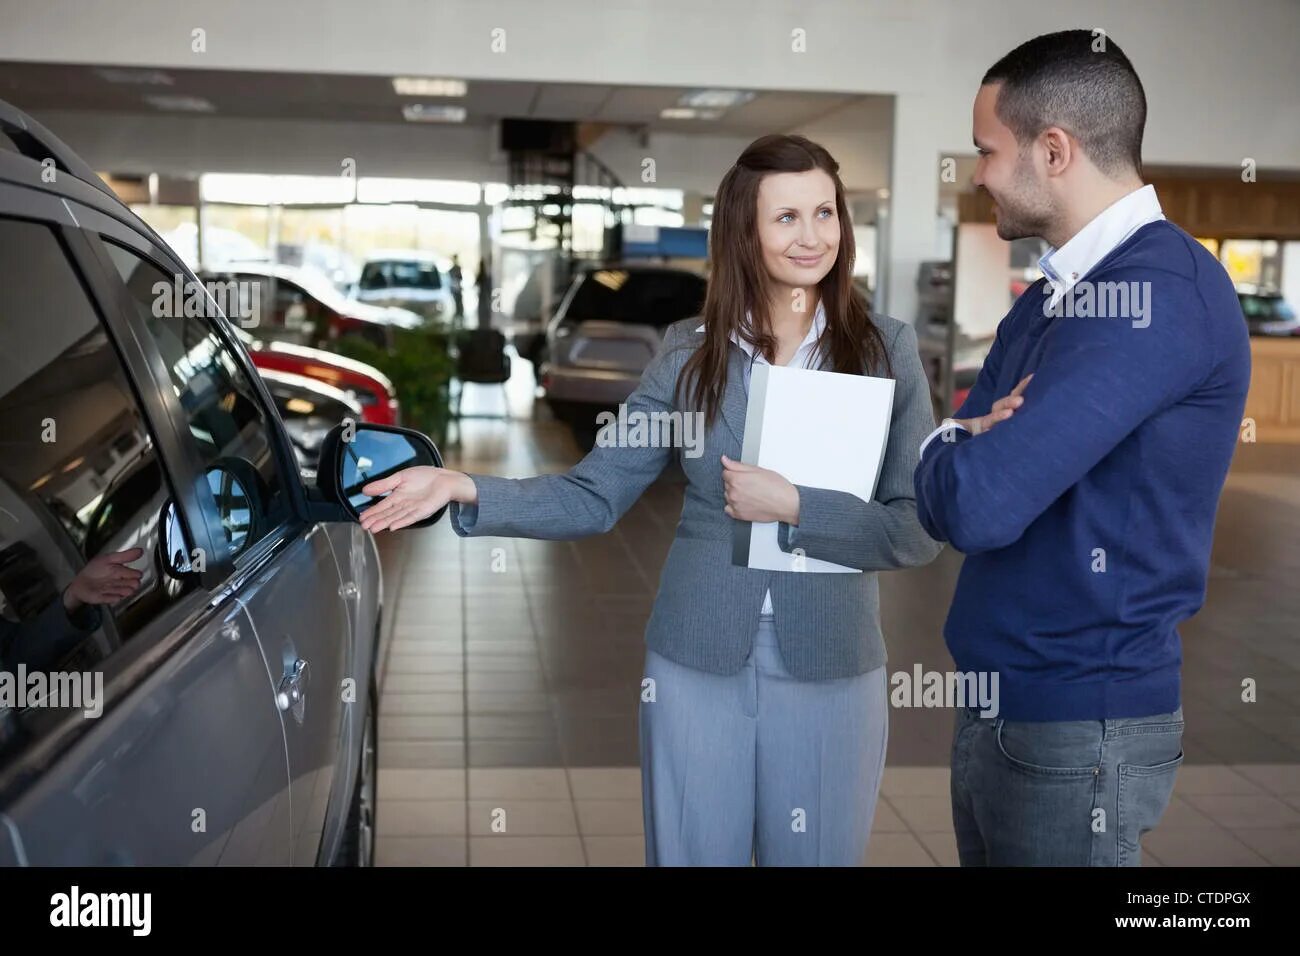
(739, 281)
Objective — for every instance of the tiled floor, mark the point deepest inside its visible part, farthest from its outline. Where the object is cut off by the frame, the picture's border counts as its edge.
(508, 732)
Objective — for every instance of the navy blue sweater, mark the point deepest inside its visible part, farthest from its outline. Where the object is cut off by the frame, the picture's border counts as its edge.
(1087, 517)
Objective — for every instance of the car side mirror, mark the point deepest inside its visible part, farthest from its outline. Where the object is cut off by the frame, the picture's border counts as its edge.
(354, 454)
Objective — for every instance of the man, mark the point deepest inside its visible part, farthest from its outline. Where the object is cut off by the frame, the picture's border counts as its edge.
(1081, 476)
(457, 293)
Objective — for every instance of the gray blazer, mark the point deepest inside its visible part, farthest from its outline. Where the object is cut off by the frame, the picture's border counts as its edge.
(707, 610)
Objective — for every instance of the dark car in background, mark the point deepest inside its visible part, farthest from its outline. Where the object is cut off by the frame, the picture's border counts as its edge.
(607, 327)
(309, 409)
(236, 717)
(1267, 312)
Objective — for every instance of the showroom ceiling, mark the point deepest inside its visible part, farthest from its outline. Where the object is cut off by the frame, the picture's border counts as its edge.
(41, 86)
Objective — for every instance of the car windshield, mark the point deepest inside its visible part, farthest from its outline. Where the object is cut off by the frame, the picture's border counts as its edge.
(400, 275)
(636, 297)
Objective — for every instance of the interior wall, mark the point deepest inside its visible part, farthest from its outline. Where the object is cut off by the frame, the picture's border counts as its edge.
(982, 279)
(1219, 76)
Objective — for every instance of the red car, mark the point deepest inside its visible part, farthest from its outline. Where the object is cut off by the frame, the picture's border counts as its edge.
(371, 388)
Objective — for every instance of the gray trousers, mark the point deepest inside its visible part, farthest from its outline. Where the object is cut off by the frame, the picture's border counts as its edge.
(757, 767)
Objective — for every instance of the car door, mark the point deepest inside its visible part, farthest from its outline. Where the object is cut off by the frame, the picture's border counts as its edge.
(283, 569)
(173, 753)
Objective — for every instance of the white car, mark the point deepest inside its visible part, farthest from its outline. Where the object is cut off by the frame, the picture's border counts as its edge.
(407, 279)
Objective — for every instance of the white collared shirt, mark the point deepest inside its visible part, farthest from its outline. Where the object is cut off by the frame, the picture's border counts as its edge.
(802, 358)
(1066, 266)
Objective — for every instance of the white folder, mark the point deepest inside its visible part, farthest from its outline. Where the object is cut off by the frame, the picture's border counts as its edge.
(818, 429)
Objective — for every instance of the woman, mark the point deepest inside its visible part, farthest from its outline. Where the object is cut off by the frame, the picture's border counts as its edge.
(764, 712)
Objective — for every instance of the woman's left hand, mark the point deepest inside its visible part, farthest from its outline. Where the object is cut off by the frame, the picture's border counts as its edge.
(758, 494)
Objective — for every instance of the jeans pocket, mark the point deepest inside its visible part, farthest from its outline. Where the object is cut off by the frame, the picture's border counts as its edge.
(1051, 750)
(1144, 794)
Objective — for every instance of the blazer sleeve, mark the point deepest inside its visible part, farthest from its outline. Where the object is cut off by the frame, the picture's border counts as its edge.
(591, 497)
(884, 533)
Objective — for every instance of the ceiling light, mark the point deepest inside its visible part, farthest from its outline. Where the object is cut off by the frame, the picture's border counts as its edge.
(428, 86)
(181, 104)
(425, 112)
(687, 113)
(111, 74)
(715, 99)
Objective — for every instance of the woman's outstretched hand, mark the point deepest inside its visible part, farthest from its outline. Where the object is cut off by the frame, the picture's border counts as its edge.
(413, 495)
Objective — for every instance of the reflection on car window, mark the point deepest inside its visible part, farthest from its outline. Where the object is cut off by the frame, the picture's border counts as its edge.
(226, 422)
(80, 481)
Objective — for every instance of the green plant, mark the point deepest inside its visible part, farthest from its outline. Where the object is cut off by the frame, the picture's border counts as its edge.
(420, 366)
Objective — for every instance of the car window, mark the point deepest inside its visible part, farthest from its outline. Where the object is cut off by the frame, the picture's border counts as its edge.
(636, 297)
(362, 394)
(227, 423)
(400, 275)
(81, 483)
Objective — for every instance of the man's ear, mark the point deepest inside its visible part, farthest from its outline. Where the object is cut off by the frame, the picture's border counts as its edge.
(1058, 149)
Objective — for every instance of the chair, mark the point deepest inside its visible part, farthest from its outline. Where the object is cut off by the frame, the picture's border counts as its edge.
(481, 359)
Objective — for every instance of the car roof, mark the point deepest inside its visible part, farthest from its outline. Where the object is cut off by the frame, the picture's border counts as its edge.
(342, 362)
(1258, 292)
(310, 280)
(36, 146)
(34, 140)
(404, 255)
(634, 266)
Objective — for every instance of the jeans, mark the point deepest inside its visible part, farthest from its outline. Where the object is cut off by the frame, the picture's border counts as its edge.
(1060, 793)
(757, 766)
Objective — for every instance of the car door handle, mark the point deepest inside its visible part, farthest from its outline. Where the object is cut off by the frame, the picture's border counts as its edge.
(292, 694)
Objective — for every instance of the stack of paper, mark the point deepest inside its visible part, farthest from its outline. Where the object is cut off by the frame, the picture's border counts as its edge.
(818, 429)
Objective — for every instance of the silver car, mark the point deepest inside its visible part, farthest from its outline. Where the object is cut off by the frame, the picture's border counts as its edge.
(188, 627)
(605, 330)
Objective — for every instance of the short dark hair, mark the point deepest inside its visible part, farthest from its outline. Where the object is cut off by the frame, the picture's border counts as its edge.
(1081, 81)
